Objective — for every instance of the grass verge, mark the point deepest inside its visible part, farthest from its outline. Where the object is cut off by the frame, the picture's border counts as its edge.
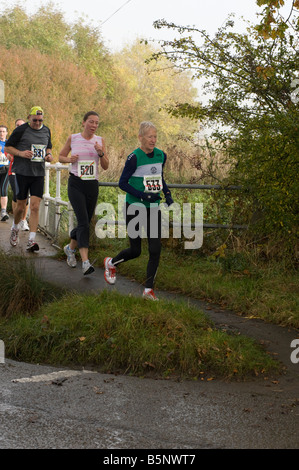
(123, 334)
(263, 291)
(22, 290)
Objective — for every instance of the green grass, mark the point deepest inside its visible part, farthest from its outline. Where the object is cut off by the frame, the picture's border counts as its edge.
(41, 323)
(263, 290)
(21, 288)
(122, 334)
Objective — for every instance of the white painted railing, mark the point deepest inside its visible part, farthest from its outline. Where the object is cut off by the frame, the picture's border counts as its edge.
(47, 223)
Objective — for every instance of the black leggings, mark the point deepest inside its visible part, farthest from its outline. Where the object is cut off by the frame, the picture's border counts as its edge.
(83, 196)
(4, 183)
(153, 230)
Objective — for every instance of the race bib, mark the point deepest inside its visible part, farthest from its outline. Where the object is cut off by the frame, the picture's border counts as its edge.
(3, 159)
(87, 170)
(152, 184)
(39, 152)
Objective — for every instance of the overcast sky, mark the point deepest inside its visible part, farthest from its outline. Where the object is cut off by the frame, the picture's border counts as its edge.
(122, 21)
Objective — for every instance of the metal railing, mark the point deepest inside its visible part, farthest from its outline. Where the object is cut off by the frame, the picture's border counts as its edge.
(54, 208)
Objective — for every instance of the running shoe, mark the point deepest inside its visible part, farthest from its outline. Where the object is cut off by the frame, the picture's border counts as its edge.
(14, 237)
(4, 216)
(149, 295)
(24, 225)
(70, 256)
(87, 268)
(32, 246)
(110, 271)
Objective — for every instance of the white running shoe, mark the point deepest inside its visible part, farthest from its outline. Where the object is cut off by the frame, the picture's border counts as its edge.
(24, 225)
(110, 271)
(70, 256)
(87, 268)
(14, 237)
(149, 295)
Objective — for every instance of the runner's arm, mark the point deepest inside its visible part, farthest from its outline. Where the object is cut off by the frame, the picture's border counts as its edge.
(166, 190)
(63, 154)
(104, 161)
(129, 169)
(18, 153)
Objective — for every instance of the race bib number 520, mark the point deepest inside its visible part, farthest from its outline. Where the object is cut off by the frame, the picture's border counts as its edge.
(86, 170)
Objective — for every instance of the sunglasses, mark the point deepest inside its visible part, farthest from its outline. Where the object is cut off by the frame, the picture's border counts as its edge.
(37, 120)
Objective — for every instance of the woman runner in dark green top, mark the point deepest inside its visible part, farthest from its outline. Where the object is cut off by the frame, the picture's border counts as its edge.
(142, 179)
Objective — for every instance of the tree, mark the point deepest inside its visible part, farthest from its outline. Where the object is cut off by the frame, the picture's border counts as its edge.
(48, 32)
(249, 81)
(54, 89)
(67, 70)
(150, 91)
(273, 24)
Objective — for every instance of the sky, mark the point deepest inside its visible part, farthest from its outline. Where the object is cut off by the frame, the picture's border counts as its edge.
(122, 21)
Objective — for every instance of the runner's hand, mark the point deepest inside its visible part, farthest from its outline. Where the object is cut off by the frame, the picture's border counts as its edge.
(169, 199)
(26, 154)
(74, 158)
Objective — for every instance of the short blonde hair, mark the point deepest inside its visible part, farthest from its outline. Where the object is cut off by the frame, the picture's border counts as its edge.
(144, 126)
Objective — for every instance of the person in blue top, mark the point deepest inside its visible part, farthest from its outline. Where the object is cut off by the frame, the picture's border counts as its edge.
(143, 181)
(3, 173)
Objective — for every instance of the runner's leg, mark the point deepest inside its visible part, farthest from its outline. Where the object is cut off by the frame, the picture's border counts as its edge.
(154, 245)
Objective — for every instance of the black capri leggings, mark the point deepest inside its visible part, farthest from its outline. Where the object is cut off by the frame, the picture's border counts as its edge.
(153, 231)
(83, 196)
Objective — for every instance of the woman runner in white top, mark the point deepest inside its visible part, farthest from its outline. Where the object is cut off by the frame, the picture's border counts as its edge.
(87, 152)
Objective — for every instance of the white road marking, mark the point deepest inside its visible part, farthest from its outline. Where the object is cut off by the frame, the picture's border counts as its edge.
(53, 376)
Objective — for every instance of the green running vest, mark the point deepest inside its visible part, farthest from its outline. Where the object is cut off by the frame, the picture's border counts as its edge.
(151, 168)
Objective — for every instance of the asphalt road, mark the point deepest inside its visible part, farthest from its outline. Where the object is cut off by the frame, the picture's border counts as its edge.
(90, 410)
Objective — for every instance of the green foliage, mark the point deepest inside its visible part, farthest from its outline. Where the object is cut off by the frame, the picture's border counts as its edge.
(250, 82)
(273, 24)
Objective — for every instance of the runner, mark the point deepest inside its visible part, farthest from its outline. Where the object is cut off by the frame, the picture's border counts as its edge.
(12, 180)
(142, 179)
(30, 145)
(3, 174)
(87, 151)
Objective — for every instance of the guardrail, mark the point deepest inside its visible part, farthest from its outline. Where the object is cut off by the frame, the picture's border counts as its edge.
(50, 223)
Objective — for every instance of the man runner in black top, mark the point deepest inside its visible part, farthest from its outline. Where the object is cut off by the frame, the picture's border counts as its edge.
(30, 145)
